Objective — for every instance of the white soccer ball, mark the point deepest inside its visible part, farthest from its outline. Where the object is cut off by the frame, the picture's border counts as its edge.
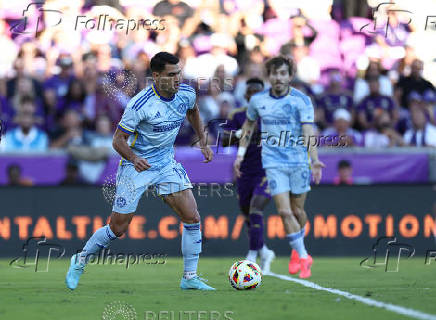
(245, 275)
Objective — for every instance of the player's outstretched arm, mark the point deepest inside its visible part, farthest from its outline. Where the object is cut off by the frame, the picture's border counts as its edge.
(316, 165)
(193, 116)
(247, 131)
(120, 145)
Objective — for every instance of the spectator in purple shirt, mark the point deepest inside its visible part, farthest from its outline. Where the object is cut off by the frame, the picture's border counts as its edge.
(61, 82)
(335, 97)
(74, 98)
(373, 105)
(341, 134)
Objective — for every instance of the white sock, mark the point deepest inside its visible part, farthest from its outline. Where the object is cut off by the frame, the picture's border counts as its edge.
(252, 255)
(263, 250)
(296, 240)
(189, 274)
(99, 240)
(298, 245)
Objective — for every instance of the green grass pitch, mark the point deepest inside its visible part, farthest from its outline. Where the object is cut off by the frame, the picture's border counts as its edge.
(25, 294)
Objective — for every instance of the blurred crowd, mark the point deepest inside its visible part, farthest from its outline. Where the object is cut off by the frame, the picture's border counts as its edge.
(64, 83)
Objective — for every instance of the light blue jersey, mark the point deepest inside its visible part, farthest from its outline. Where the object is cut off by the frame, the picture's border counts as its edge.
(284, 153)
(154, 121)
(282, 119)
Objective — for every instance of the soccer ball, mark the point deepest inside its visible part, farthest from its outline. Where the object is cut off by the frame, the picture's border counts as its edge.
(245, 275)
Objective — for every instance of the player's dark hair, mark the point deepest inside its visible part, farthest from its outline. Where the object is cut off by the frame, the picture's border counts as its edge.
(158, 62)
(277, 62)
(344, 164)
(255, 81)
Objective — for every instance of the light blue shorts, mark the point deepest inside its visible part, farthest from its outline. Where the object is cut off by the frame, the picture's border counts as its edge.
(131, 184)
(293, 179)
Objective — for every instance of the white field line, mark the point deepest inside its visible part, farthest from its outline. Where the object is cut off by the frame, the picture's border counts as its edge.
(371, 302)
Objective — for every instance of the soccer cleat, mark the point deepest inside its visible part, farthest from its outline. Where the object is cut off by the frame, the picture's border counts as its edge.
(266, 257)
(195, 283)
(294, 262)
(74, 272)
(305, 267)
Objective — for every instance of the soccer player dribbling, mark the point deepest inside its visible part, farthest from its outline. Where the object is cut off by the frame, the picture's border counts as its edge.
(287, 117)
(145, 139)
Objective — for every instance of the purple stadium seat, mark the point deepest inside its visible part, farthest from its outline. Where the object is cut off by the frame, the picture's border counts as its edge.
(325, 48)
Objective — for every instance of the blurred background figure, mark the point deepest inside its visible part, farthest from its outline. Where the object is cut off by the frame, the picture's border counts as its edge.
(373, 71)
(72, 177)
(15, 178)
(70, 132)
(341, 134)
(422, 133)
(334, 97)
(26, 137)
(373, 105)
(413, 82)
(345, 173)
(383, 134)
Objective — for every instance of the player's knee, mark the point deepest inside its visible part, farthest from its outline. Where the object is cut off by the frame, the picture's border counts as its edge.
(193, 217)
(118, 229)
(285, 213)
(299, 212)
(256, 211)
(196, 218)
(301, 216)
(254, 208)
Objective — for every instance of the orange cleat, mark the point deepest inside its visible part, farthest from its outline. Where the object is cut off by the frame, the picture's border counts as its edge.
(305, 267)
(294, 262)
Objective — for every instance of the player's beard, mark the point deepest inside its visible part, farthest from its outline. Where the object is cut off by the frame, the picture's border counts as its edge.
(168, 86)
(280, 88)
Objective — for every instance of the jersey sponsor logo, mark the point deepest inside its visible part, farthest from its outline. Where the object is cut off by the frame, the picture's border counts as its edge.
(168, 127)
(277, 121)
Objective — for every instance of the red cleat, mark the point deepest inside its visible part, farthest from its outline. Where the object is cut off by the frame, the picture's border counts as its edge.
(305, 267)
(294, 262)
